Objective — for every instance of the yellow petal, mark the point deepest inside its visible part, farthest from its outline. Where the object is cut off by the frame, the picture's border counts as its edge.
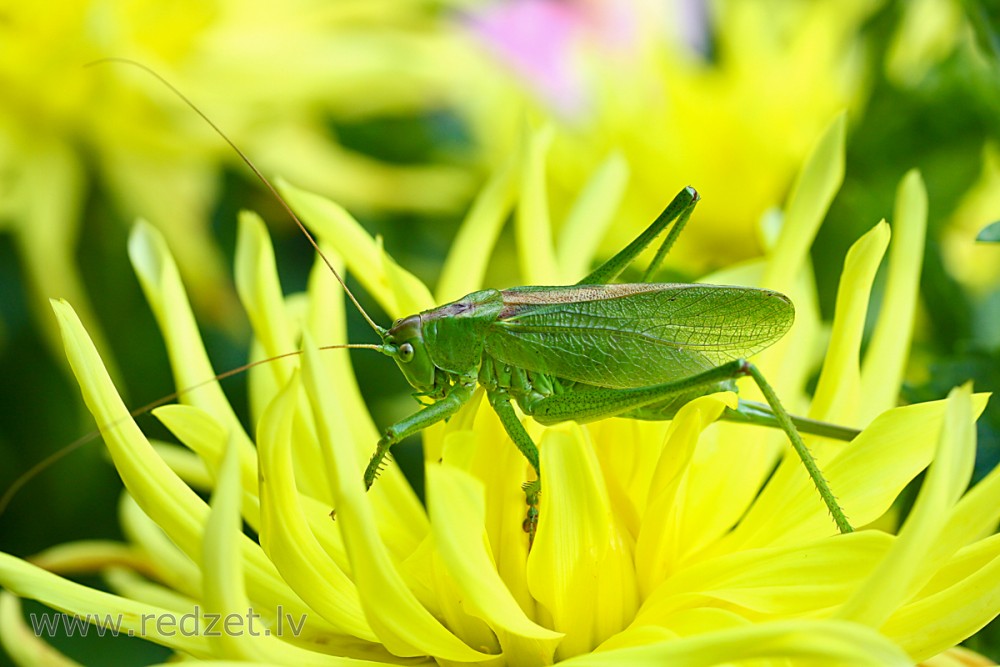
(204, 436)
(960, 565)
(770, 583)
(261, 295)
(285, 533)
(29, 581)
(787, 363)
(162, 286)
(305, 155)
(241, 630)
(193, 373)
(228, 663)
(533, 227)
(404, 626)
(867, 476)
(810, 642)
(224, 590)
(430, 578)
(399, 510)
(195, 428)
(885, 359)
(465, 267)
(327, 324)
(680, 623)
(233, 663)
(21, 643)
(199, 432)
(169, 564)
(906, 567)
(975, 515)
(926, 33)
(160, 493)
(457, 506)
(839, 388)
(364, 258)
(669, 519)
(935, 623)
(488, 454)
(410, 295)
(188, 466)
(580, 567)
(145, 475)
(136, 587)
(628, 471)
(592, 213)
(87, 556)
(731, 464)
(814, 189)
(871, 472)
(974, 264)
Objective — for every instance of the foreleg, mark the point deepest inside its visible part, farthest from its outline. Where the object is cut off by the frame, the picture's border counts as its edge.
(458, 396)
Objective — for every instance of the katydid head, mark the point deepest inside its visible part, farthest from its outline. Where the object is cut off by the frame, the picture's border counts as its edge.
(406, 341)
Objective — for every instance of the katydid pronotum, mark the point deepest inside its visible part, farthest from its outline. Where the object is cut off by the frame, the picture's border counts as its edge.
(585, 352)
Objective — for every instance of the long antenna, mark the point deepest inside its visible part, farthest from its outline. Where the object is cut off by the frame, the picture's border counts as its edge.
(58, 455)
(263, 179)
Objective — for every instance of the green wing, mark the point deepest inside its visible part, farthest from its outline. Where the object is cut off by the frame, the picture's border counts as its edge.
(634, 335)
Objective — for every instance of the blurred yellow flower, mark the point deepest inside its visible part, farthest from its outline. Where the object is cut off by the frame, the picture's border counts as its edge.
(727, 95)
(274, 76)
(657, 543)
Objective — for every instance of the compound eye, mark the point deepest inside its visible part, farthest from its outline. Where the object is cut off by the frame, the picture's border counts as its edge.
(406, 353)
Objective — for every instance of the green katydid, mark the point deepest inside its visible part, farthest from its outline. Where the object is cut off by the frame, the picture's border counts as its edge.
(595, 350)
(583, 352)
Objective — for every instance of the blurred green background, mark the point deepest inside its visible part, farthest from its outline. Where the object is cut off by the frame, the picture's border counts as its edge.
(400, 110)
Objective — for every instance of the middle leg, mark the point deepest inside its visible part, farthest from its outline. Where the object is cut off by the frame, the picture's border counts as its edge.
(500, 400)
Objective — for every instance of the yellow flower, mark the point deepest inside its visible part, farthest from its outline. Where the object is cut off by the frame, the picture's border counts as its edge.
(273, 77)
(635, 88)
(658, 543)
